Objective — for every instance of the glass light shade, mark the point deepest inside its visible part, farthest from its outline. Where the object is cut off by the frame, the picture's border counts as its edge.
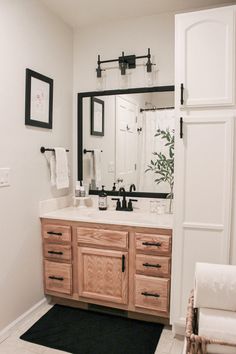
(149, 77)
(124, 80)
(101, 82)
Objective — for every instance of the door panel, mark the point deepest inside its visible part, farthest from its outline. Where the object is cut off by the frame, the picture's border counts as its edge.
(101, 275)
(203, 193)
(205, 57)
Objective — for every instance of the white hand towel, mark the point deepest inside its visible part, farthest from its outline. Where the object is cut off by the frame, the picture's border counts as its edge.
(52, 163)
(215, 286)
(62, 172)
(97, 160)
(218, 324)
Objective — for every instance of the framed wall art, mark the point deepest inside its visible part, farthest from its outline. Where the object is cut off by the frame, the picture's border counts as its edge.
(38, 100)
(97, 117)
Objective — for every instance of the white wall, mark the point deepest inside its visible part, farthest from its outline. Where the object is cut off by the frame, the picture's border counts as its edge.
(30, 37)
(109, 40)
(132, 36)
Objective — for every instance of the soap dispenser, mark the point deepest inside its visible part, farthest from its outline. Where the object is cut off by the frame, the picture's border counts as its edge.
(102, 200)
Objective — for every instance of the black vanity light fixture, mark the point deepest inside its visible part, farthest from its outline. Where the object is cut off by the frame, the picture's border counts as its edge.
(125, 62)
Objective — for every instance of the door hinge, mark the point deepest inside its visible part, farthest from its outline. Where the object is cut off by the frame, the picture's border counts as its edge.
(135, 166)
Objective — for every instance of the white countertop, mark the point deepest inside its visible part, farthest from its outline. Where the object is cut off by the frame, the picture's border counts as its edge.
(111, 216)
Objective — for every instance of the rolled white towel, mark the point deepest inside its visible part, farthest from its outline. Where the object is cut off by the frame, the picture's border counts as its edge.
(218, 324)
(215, 286)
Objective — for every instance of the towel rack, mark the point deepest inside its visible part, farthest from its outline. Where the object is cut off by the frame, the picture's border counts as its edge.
(85, 151)
(43, 149)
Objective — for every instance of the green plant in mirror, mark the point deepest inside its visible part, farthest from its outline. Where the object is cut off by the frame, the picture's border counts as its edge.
(163, 164)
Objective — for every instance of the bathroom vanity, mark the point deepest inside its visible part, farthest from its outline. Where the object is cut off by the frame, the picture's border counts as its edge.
(97, 258)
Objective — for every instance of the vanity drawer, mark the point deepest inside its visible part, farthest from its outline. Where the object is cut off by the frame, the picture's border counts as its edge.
(101, 237)
(57, 233)
(153, 265)
(153, 244)
(152, 293)
(56, 251)
(58, 277)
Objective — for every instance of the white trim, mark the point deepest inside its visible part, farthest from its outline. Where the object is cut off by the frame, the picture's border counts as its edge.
(6, 332)
(204, 226)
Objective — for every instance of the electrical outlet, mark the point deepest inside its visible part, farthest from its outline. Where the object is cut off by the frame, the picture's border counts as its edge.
(4, 177)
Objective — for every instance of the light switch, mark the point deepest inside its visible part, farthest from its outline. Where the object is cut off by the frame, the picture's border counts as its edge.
(4, 177)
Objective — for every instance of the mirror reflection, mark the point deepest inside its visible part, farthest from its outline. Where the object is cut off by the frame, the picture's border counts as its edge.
(128, 142)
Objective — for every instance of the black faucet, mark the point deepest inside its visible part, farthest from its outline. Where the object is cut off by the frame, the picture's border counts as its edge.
(123, 206)
(124, 203)
(132, 188)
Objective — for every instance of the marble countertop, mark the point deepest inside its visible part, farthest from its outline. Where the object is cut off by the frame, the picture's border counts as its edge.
(111, 216)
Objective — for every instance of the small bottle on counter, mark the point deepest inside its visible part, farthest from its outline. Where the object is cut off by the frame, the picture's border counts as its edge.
(77, 189)
(82, 191)
(102, 200)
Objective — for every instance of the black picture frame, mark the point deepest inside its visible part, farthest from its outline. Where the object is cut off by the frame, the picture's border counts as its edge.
(97, 113)
(38, 100)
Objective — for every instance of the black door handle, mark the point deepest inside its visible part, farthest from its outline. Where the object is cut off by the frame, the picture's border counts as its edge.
(181, 128)
(182, 94)
(123, 263)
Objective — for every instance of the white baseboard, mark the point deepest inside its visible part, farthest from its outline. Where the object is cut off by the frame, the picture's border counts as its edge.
(6, 332)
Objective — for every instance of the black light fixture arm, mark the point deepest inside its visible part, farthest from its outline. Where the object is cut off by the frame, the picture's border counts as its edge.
(125, 62)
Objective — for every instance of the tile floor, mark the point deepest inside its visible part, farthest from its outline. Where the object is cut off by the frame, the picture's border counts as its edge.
(13, 345)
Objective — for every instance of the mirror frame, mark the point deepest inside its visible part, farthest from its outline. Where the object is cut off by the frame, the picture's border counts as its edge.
(80, 97)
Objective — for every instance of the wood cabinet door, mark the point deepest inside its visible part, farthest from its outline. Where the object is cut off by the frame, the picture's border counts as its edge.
(205, 57)
(103, 274)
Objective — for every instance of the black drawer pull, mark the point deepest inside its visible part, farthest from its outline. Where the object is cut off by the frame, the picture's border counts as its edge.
(54, 233)
(157, 244)
(55, 278)
(55, 252)
(152, 265)
(145, 293)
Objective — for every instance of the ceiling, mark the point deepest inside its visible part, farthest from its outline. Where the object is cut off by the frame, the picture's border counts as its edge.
(81, 13)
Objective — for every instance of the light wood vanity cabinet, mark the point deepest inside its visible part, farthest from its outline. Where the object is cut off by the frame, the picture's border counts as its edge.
(152, 268)
(117, 266)
(57, 254)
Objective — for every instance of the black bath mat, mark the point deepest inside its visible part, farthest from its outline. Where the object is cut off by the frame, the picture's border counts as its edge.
(85, 332)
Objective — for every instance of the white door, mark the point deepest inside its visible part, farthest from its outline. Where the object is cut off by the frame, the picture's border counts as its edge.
(205, 56)
(203, 190)
(126, 141)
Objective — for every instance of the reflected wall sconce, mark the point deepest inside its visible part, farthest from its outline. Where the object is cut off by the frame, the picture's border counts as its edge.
(125, 62)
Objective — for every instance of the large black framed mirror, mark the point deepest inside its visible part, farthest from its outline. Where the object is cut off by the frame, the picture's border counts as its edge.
(129, 144)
